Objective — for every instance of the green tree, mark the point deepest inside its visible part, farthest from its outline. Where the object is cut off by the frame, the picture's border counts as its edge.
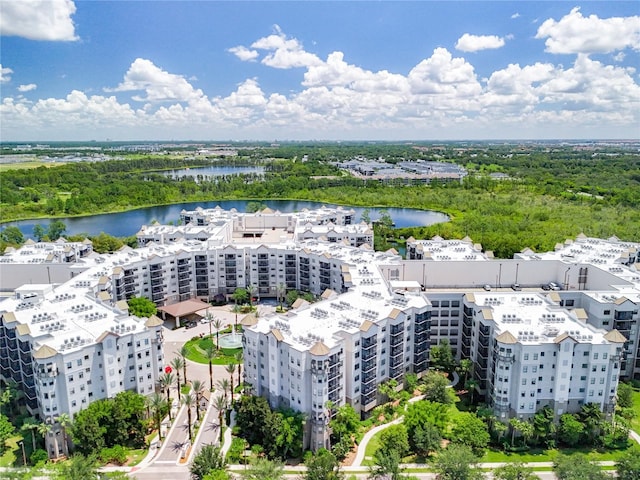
(464, 368)
(30, 425)
(141, 307)
(207, 460)
(422, 413)
(395, 438)
(158, 406)
(264, 469)
(188, 401)
(217, 324)
(165, 382)
(343, 426)
(7, 430)
(471, 431)
(220, 404)
(389, 389)
(105, 243)
(592, 418)
(386, 465)
(64, 419)
(514, 471)
(435, 388)
(56, 229)
(457, 462)
(570, 430)
(230, 368)
(39, 232)
(178, 364)
(441, 357)
(544, 426)
(426, 439)
(210, 354)
(197, 388)
(183, 352)
(251, 418)
(240, 296)
(322, 465)
(628, 466)
(12, 235)
(625, 395)
(79, 467)
(577, 467)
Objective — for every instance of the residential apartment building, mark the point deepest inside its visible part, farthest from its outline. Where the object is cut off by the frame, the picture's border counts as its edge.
(376, 319)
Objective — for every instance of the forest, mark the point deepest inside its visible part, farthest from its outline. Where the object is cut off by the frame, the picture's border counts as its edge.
(546, 193)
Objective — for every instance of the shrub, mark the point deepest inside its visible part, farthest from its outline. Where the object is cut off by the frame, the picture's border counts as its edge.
(236, 450)
(116, 454)
(38, 456)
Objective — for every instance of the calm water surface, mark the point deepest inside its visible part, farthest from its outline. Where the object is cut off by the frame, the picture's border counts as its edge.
(128, 223)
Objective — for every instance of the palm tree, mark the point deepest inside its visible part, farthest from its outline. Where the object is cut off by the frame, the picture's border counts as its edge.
(65, 422)
(165, 381)
(251, 289)
(43, 429)
(236, 309)
(197, 387)
(210, 354)
(223, 384)
(177, 363)
(30, 424)
(239, 358)
(209, 316)
(220, 404)
(188, 400)
(157, 403)
(183, 354)
(217, 323)
(465, 367)
(231, 369)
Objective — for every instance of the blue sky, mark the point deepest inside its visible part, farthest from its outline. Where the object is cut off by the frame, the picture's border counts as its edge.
(212, 70)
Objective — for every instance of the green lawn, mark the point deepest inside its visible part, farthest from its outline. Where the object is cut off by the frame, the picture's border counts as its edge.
(635, 423)
(196, 351)
(136, 456)
(540, 455)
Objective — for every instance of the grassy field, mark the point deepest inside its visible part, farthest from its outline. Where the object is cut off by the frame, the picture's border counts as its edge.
(26, 164)
(635, 423)
(196, 351)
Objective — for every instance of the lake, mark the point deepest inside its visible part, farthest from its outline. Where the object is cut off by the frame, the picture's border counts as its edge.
(212, 171)
(124, 224)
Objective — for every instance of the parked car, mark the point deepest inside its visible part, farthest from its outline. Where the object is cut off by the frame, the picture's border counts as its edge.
(546, 286)
(516, 287)
(554, 286)
(487, 287)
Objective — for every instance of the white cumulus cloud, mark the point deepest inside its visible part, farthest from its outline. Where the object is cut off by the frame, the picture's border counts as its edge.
(475, 43)
(158, 85)
(441, 96)
(27, 88)
(243, 53)
(5, 74)
(38, 19)
(574, 33)
(284, 52)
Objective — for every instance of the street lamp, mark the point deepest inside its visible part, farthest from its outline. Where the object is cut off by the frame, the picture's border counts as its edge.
(24, 455)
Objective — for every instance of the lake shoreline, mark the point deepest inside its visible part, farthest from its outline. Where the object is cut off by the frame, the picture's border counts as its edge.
(444, 217)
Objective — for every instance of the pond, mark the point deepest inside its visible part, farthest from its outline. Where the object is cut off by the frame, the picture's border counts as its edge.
(124, 224)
